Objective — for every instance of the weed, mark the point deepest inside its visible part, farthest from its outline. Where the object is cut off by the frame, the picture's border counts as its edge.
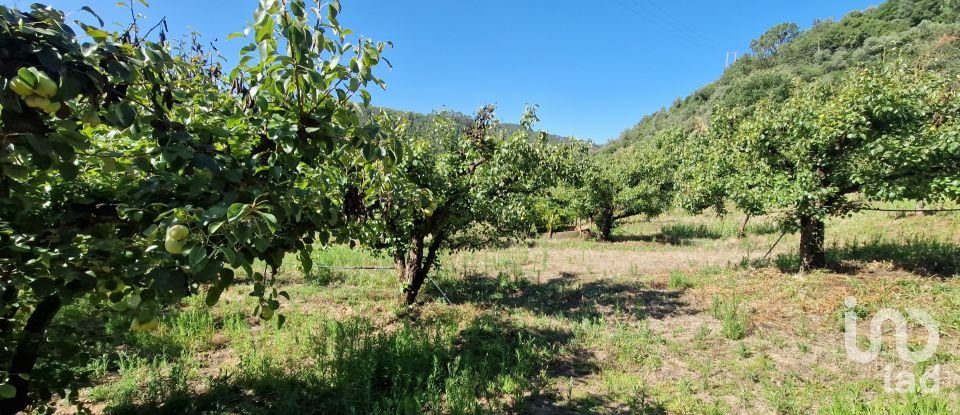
(742, 351)
(732, 315)
(679, 281)
(701, 336)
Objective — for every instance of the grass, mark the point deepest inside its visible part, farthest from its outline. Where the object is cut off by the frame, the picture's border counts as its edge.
(734, 319)
(851, 403)
(660, 322)
(679, 281)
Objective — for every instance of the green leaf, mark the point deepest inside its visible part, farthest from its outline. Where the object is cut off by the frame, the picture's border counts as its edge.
(38, 144)
(122, 115)
(215, 226)
(213, 295)
(28, 76)
(297, 8)
(97, 34)
(261, 244)
(270, 220)
(236, 211)
(16, 171)
(230, 255)
(196, 257)
(306, 261)
(89, 10)
(7, 391)
(366, 97)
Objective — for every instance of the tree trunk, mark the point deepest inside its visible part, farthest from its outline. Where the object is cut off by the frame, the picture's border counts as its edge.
(604, 220)
(413, 288)
(408, 266)
(414, 267)
(27, 352)
(742, 232)
(812, 254)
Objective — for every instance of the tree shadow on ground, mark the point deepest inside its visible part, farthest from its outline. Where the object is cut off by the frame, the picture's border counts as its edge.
(924, 257)
(763, 228)
(656, 238)
(591, 404)
(679, 234)
(566, 296)
(82, 333)
(435, 366)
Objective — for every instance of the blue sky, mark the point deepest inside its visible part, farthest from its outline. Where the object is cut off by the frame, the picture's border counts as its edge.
(594, 67)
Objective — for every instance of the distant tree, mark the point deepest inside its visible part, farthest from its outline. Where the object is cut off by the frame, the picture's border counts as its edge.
(556, 209)
(770, 42)
(634, 180)
(700, 167)
(463, 189)
(882, 134)
(747, 90)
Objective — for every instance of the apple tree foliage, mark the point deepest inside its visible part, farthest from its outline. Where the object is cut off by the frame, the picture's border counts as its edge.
(463, 187)
(635, 180)
(874, 135)
(136, 172)
(558, 208)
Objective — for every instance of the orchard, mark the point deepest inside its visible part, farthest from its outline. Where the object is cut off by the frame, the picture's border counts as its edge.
(140, 177)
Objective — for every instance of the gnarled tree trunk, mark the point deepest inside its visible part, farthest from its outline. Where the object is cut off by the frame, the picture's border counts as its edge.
(413, 266)
(812, 253)
(27, 352)
(604, 219)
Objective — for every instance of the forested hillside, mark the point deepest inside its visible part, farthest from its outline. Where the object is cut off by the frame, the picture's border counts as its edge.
(422, 123)
(925, 31)
(810, 124)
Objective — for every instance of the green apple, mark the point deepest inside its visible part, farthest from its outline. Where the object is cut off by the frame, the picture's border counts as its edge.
(173, 246)
(45, 86)
(52, 107)
(36, 101)
(21, 88)
(266, 313)
(178, 232)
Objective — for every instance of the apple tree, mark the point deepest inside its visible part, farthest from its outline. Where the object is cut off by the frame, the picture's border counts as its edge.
(463, 187)
(634, 180)
(883, 134)
(133, 174)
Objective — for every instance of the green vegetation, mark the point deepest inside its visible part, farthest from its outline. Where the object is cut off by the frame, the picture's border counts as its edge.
(829, 149)
(732, 316)
(523, 334)
(179, 237)
(94, 195)
(464, 189)
(807, 138)
(925, 30)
